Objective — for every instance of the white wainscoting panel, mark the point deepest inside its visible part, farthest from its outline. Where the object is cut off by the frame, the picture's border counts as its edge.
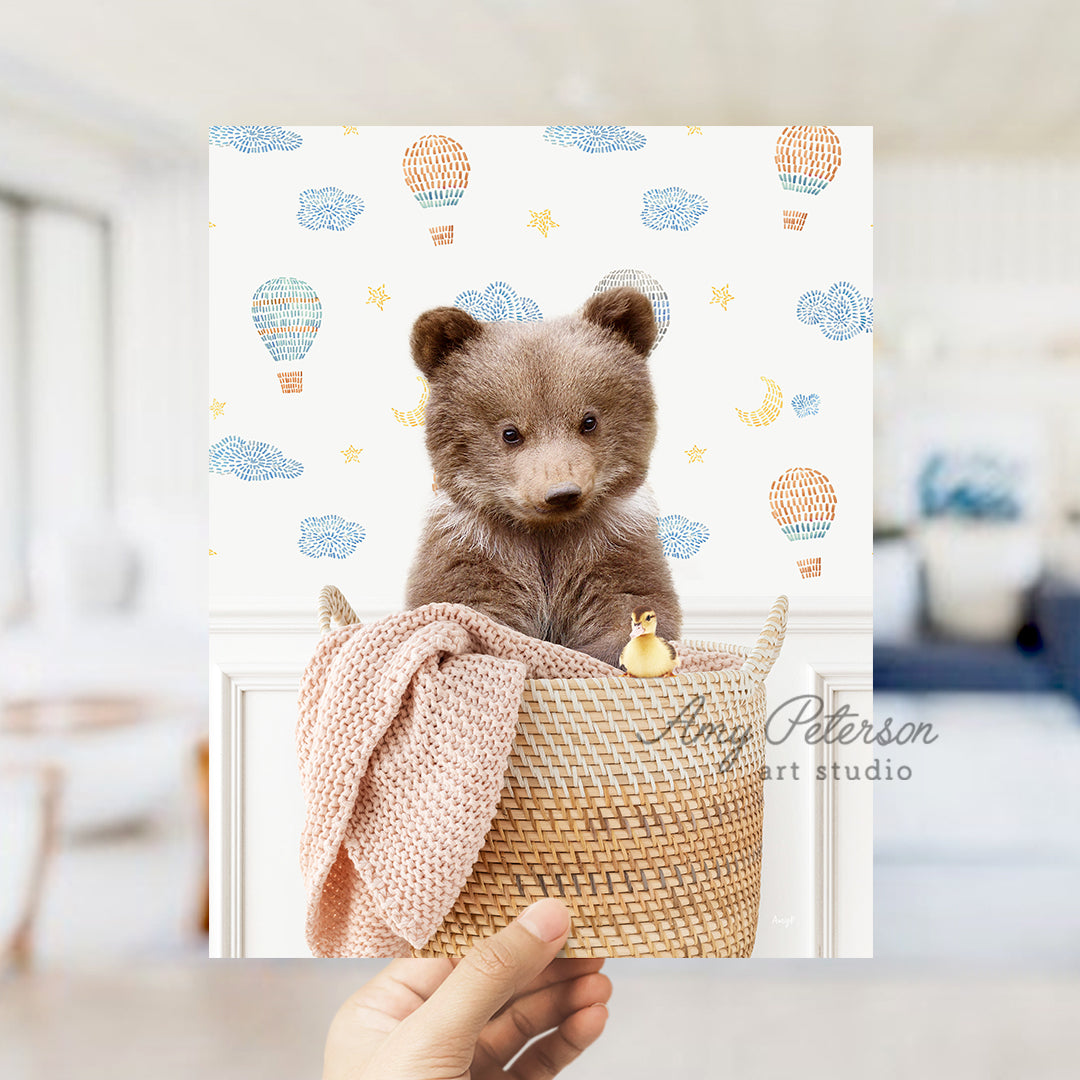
(843, 816)
(816, 897)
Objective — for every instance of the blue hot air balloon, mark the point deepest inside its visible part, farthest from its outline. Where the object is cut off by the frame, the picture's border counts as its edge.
(287, 314)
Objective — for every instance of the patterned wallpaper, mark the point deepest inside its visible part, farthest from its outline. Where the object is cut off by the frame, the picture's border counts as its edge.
(753, 244)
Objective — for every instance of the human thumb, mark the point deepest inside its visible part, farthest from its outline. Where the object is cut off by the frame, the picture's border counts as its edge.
(489, 975)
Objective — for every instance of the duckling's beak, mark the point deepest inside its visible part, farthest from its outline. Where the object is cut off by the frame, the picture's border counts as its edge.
(636, 629)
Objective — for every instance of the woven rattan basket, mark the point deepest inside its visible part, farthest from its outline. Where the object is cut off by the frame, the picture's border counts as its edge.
(639, 802)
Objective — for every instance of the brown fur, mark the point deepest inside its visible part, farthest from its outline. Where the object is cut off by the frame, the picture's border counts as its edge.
(571, 574)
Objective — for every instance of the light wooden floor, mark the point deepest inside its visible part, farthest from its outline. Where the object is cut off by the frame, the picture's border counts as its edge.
(265, 1020)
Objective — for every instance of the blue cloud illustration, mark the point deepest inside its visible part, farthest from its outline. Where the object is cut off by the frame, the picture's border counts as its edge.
(672, 208)
(499, 302)
(255, 138)
(841, 313)
(601, 139)
(806, 404)
(328, 208)
(680, 536)
(329, 536)
(251, 460)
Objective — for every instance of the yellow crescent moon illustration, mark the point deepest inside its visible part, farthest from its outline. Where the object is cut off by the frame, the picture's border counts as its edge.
(413, 417)
(769, 409)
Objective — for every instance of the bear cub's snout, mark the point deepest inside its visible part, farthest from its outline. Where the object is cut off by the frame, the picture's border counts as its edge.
(540, 436)
(562, 496)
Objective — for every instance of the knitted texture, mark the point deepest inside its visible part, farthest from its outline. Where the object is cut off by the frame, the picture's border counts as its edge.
(405, 727)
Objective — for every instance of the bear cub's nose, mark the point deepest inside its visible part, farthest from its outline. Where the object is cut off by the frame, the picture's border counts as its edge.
(562, 496)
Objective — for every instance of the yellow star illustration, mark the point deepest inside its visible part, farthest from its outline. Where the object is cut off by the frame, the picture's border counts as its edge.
(541, 219)
(212, 225)
(695, 453)
(378, 296)
(721, 297)
(352, 453)
(212, 551)
(217, 408)
(350, 129)
(693, 130)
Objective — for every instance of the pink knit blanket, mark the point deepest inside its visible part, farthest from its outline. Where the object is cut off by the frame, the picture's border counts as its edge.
(404, 732)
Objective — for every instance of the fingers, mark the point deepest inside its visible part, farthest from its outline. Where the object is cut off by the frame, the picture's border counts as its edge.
(561, 963)
(550, 1055)
(395, 992)
(419, 976)
(532, 1014)
(561, 969)
(491, 974)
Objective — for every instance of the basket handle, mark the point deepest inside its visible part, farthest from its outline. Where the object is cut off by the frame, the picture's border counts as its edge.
(766, 649)
(333, 605)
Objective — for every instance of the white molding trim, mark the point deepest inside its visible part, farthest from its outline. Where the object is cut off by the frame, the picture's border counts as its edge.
(235, 675)
(701, 615)
(229, 685)
(827, 680)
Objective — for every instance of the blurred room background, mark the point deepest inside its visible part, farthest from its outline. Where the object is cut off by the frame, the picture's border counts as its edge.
(103, 536)
(977, 552)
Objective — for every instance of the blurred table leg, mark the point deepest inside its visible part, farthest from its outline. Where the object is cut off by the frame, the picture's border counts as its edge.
(31, 797)
(203, 766)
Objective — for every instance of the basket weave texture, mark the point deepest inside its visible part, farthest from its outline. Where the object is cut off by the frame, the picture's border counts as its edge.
(638, 802)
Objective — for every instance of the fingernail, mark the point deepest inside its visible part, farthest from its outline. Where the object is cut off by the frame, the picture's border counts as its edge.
(547, 919)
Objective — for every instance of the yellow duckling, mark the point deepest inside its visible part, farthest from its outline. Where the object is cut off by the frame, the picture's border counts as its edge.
(646, 655)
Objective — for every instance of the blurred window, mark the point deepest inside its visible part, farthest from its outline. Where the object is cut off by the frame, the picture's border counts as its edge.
(56, 422)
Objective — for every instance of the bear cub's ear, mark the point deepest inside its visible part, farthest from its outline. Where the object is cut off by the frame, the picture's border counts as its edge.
(437, 333)
(627, 313)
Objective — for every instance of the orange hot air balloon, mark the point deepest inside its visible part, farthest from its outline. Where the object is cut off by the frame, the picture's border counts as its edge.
(436, 170)
(807, 158)
(803, 502)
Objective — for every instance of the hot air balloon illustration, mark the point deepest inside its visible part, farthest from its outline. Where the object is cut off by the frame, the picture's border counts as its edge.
(803, 502)
(436, 169)
(646, 283)
(807, 158)
(287, 315)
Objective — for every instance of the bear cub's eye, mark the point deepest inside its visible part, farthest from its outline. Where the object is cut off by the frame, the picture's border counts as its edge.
(588, 424)
(511, 436)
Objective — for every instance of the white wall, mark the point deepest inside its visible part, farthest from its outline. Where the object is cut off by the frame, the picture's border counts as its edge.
(978, 345)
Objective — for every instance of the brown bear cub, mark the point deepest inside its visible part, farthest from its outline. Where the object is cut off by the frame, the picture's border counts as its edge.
(540, 435)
